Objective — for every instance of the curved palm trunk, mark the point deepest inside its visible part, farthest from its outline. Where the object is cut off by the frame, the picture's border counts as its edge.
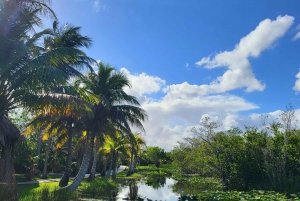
(96, 157)
(84, 165)
(103, 173)
(135, 161)
(8, 185)
(130, 169)
(65, 178)
(114, 165)
(46, 159)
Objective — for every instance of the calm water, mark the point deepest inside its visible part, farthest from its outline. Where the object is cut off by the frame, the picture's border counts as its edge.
(146, 191)
(158, 188)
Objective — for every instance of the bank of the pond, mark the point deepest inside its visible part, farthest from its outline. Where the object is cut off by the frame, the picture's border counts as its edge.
(148, 182)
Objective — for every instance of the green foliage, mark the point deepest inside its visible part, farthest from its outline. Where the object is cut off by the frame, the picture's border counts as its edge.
(155, 155)
(250, 195)
(98, 188)
(47, 192)
(243, 160)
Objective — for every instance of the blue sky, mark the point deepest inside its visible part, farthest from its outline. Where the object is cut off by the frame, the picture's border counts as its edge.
(230, 60)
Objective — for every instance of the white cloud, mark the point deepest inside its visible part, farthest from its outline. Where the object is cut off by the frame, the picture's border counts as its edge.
(297, 83)
(182, 107)
(96, 5)
(239, 73)
(186, 108)
(230, 121)
(297, 36)
(143, 84)
(187, 66)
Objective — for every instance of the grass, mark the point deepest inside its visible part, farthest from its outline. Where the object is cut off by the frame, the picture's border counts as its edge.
(122, 175)
(27, 189)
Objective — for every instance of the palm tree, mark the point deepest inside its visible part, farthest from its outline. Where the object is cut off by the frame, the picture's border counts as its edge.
(115, 145)
(136, 143)
(29, 72)
(114, 110)
(66, 37)
(17, 19)
(98, 149)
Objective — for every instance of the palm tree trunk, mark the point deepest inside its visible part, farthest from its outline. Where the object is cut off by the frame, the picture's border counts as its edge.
(135, 161)
(96, 157)
(110, 167)
(8, 184)
(39, 145)
(105, 158)
(129, 172)
(114, 165)
(46, 159)
(84, 165)
(65, 178)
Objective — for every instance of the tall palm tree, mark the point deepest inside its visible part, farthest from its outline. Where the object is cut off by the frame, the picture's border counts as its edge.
(136, 143)
(115, 109)
(28, 72)
(97, 151)
(17, 19)
(115, 145)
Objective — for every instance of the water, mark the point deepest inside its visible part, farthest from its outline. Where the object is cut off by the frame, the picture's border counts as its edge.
(146, 191)
(159, 188)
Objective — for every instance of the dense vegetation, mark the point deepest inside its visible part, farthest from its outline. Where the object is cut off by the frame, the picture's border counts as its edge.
(244, 160)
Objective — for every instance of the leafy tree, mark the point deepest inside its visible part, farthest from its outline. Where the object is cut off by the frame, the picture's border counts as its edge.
(155, 155)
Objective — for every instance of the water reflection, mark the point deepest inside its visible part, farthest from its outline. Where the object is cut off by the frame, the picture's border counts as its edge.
(194, 188)
(143, 191)
(155, 181)
(158, 187)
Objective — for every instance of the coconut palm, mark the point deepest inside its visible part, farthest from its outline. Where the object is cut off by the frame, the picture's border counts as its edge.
(115, 145)
(136, 143)
(115, 109)
(28, 72)
(97, 151)
(17, 19)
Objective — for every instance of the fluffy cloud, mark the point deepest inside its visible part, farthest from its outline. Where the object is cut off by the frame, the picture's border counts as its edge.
(181, 107)
(297, 36)
(297, 83)
(239, 73)
(143, 84)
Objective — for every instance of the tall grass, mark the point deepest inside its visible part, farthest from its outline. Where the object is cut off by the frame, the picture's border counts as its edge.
(46, 193)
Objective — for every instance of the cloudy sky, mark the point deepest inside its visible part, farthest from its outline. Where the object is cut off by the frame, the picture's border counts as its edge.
(229, 60)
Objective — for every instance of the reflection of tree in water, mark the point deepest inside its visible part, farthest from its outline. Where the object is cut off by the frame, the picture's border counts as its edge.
(155, 181)
(188, 198)
(185, 188)
(133, 192)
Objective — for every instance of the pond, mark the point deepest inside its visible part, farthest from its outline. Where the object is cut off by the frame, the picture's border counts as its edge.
(160, 188)
(145, 191)
(154, 187)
